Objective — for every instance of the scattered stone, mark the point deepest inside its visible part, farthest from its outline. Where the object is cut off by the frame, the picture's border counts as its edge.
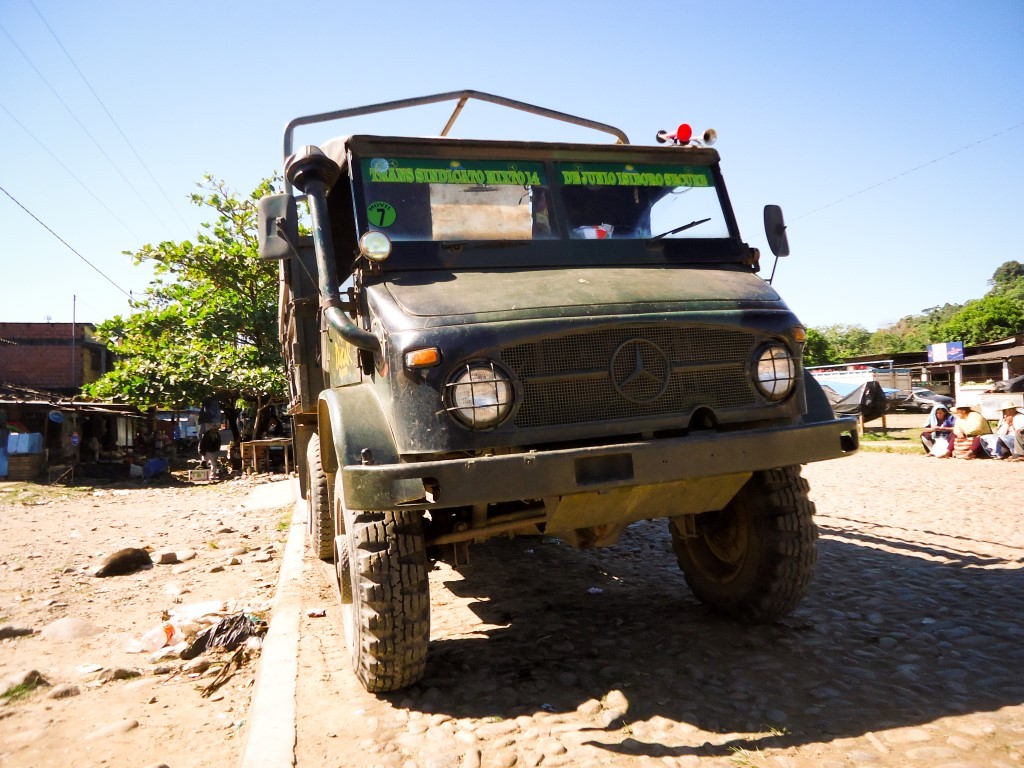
(616, 700)
(118, 673)
(123, 562)
(589, 707)
(216, 569)
(261, 557)
(234, 561)
(235, 551)
(64, 691)
(196, 666)
(185, 555)
(70, 628)
(114, 729)
(7, 632)
(165, 557)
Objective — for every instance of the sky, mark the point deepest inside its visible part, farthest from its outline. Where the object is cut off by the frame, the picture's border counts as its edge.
(891, 133)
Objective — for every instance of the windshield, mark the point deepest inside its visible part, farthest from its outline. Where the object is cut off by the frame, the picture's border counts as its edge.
(616, 201)
(436, 199)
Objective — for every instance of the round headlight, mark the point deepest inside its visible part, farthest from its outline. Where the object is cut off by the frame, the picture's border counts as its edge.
(479, 395)
(775, 372)
(376, 246)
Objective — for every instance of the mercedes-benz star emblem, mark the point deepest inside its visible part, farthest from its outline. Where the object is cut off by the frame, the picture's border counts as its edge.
(639, 371)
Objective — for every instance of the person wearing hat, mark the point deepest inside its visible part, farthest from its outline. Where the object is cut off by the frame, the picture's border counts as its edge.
(968, 428)
(1004, 443)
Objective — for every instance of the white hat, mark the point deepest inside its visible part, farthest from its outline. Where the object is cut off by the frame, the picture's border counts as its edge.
(1008, 405)
(962, 406)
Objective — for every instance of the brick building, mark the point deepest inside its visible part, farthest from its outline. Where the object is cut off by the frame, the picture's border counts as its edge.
(58, 357)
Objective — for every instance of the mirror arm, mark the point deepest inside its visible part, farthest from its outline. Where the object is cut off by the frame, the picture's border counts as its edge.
(281, 230)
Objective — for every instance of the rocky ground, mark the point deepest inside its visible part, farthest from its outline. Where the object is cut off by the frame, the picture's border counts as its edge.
(907, 651)
(91, 702)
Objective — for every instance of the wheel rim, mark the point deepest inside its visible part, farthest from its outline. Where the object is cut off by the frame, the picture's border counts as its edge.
(722, 543)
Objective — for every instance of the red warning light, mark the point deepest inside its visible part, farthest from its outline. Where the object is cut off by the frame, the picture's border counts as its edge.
(684, 133)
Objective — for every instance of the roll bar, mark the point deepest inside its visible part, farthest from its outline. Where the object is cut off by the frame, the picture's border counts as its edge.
(462, 97)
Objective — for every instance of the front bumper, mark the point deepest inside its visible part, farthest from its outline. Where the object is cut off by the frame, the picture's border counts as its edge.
(543, 474)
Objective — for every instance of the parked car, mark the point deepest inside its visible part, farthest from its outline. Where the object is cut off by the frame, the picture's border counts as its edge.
(924, 399)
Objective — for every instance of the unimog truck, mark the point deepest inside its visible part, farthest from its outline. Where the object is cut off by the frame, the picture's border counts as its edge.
(488, 338)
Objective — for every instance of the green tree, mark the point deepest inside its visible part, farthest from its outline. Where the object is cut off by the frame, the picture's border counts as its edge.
(988, 319)
(207, 324)
(817, 350)
(1008, 280)
(846, 340)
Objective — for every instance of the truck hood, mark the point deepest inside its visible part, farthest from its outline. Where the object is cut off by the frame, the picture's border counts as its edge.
(485, 295)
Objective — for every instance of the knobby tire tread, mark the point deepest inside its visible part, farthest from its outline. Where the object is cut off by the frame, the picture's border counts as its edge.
(321, 525)
(786, 555)
(391, 599)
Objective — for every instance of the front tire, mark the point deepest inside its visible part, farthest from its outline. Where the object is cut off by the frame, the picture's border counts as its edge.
(320, 522)
(754, 560)
(387, 616)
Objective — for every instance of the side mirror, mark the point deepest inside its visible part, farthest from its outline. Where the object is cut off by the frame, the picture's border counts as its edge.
(278, 227)
(775, 229)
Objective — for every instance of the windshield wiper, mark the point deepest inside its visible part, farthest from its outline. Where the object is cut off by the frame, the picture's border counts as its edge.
(692, 224)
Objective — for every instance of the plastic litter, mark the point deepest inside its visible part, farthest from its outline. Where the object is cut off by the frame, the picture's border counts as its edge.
(156, 638)
(228, 633)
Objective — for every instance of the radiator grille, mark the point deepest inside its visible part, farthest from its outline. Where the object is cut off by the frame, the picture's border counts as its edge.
(630, 372)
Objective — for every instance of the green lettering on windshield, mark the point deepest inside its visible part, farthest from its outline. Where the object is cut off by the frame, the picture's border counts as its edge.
(440, 171)
(609, 175)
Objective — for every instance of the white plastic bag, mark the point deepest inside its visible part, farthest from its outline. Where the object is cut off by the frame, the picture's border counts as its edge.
(940, 447)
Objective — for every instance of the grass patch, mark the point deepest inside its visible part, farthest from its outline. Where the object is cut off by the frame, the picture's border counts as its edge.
(23, 689)
(747, 758)
(285, 522)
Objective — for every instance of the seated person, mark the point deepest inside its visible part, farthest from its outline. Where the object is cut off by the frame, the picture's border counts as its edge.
(937, 428)
(968, 428)
(1003, 443)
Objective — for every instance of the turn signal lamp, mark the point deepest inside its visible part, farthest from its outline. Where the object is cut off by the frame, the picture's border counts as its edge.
(799, 334)
(422, 358)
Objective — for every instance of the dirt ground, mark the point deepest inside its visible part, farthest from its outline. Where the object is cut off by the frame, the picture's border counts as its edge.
(907, 651)
(228, 537)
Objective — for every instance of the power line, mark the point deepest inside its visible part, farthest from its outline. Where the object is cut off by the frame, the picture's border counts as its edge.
(102, 274)
(69, 172)
(908, 172)
(104, 106)
(86, 130)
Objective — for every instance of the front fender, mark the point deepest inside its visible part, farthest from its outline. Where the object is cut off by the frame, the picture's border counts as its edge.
(353, 423)
(818, 406)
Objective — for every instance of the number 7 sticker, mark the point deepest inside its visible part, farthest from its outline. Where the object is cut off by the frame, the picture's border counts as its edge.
(381, 214)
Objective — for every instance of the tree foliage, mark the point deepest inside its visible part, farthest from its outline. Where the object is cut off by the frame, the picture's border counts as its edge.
(817, 350)
(207, 324)
(987, 319)
(1000, 313)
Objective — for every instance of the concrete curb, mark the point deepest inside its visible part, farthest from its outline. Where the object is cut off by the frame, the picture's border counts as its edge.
(270, 726)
